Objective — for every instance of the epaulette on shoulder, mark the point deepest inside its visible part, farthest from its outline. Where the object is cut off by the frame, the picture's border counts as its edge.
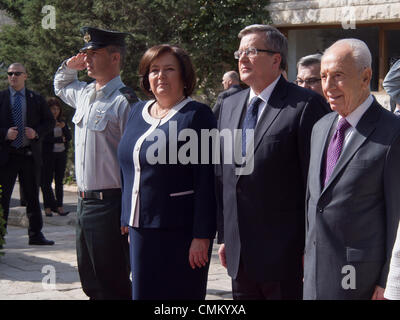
(129, 94)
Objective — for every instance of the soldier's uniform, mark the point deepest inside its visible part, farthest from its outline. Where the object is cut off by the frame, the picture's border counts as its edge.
(100, 118)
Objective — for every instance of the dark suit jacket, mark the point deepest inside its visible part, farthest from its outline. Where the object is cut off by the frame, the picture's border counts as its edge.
(49, 140)
(224, 94)
(38, 117)
(353, 219)
(171, 195)
(263, 212)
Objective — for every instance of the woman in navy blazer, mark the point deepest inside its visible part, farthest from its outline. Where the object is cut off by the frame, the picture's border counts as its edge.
(168, 200)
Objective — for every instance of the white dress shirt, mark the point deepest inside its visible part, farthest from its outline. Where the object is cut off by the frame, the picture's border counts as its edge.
(353, 118)
(264, 96)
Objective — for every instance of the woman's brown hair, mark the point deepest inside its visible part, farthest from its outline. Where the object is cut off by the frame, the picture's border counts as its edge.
(53, 101)
(188, 74)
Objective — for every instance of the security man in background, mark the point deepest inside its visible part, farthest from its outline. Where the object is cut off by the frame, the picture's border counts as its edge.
(231, 84)
(102, 108)
(24, 120)
(308, 72)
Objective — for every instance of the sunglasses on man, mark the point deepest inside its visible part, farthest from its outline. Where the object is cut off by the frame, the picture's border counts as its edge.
(17, 73)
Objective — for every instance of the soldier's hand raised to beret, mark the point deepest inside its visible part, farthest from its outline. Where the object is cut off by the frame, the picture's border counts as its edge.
(77, 62)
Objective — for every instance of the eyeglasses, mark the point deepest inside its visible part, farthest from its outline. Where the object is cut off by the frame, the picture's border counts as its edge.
(251, 52)
(309, 82)
(18, 73)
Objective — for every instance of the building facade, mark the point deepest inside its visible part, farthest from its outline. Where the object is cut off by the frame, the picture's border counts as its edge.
(313, 25)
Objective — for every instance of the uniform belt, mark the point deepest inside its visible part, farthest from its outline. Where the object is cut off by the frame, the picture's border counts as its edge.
(100, 194)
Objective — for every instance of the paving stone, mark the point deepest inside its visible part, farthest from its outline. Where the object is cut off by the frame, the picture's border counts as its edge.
(26, 271)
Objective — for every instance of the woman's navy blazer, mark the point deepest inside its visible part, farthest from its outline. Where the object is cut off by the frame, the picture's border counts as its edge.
(171, 194)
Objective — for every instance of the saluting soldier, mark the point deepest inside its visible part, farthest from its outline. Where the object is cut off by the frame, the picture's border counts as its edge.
(102, 109)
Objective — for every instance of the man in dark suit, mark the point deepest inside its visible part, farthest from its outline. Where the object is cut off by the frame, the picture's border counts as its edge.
(308, 72)
(24, 120)
(262, 229)
(230, 82)
(352, 200)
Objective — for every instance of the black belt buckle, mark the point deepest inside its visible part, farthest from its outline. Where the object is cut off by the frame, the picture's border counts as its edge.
(83, 194)
(99, 194)
(91, 195)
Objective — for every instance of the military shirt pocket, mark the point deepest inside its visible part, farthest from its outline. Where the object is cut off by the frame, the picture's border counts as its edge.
(98, 121)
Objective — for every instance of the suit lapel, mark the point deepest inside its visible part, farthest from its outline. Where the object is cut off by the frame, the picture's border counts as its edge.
(321, 144)
(237, 109)
(364, 128)
(29, 104)
(8, 108)
(271, 111)
(231, 121)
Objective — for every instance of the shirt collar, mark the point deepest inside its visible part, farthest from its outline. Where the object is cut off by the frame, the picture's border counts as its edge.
(111, 86)
(354, 117)
(266, 93)
(13, 91)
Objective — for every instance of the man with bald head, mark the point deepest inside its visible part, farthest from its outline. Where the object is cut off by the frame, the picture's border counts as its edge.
(24, 120)
(230, 82)
(353, 181)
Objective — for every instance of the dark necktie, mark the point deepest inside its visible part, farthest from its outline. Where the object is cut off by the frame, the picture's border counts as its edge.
(18, 121)
(250, 120)
(335, 148)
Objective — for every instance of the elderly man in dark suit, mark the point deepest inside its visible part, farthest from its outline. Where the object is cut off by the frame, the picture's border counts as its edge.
(261, 222)
(231, 84)
(24, 120)
(352, 199)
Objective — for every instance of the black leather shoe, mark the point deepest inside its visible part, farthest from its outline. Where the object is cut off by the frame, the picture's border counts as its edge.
(65, 213)
(41, 242)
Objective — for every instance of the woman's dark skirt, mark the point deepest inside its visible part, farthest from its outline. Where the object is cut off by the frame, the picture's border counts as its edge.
(160, 266)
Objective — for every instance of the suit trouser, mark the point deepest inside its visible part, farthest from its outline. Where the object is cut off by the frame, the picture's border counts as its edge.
(245, 288)
(102, 252)
(54, 165)
(25, 168)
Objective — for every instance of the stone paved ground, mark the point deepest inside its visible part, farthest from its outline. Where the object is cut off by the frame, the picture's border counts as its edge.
(25, 270)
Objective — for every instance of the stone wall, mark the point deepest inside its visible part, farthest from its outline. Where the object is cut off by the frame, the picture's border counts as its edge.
(4, 19)
(323, 12)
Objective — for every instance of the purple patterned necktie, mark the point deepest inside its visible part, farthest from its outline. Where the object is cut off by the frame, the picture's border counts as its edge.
(335, 148)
